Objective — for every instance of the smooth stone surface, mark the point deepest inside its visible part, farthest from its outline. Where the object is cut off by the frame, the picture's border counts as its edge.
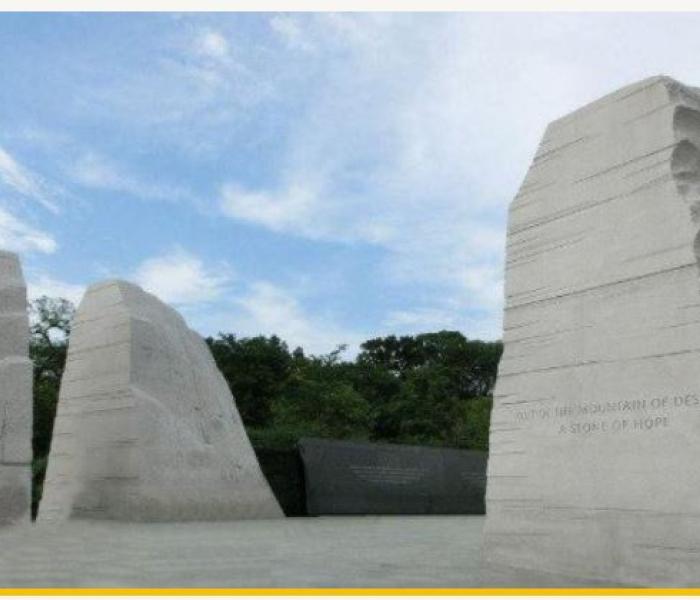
(303, 552)
(595, 430)
(146, 428)
(15, 394)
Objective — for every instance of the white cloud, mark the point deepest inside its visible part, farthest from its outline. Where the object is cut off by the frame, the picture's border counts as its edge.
(214, 301)
(92, 170)
(193, 86)
(265, 308)
(272, 309)
(421, 319)
(45, 285)
(291, 31)
(398, 147)
(212, 44)
(293, 208)
(23, 181)
(418, 129)
(179, 277)
(486, 325)
(406, 132)
(16, 176)
(17, 236)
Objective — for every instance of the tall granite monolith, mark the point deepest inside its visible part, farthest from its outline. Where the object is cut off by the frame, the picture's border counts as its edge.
(595, 431)
(15, 394)
(146, 428)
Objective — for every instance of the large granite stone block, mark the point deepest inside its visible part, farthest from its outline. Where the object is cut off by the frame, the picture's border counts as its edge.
(15, 394)
(146, 428)
(16, 427)
(595, 429)
(15, 494)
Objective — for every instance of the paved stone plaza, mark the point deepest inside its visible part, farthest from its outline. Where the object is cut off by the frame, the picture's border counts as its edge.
(310, 552)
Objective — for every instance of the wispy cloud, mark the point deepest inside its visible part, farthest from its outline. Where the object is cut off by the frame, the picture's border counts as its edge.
(23, 181)
(193, 86)
(18, 236)
(265, 308)
(294, 208)
(94, 171)
(181, 278)
(393, 142)
(396, 150)
(273, 309)
(292, 32)
(485, 325)
(214, 300)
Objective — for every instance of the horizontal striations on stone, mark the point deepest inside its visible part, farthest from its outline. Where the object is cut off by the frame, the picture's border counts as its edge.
(15, 394)
(147, 429)
(15, 334)
(15, 493)
(16, 386)
(597, 404)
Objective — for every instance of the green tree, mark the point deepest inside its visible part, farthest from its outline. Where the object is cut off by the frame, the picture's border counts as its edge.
(319, 399)
(256, 370)
(472, 430)
(381, 388)
(397, 355)
(421, 387)
(430, 406)
(50, 329)
(472, 363)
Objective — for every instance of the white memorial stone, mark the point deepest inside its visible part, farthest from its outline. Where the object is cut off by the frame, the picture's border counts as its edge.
(146, 428)
(15, 394)
(593, 474)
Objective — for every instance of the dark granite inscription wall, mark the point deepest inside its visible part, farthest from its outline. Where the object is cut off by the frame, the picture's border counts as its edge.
(363, 478)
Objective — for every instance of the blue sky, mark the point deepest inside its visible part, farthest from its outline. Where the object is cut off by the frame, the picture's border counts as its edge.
(325, 177)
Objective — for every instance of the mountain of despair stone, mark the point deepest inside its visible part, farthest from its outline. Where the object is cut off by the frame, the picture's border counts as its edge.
(15, 394)
(147, 428)
(595, 429)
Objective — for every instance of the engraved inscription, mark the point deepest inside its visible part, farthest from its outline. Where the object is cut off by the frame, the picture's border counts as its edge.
(621, 416)
(387, 475)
